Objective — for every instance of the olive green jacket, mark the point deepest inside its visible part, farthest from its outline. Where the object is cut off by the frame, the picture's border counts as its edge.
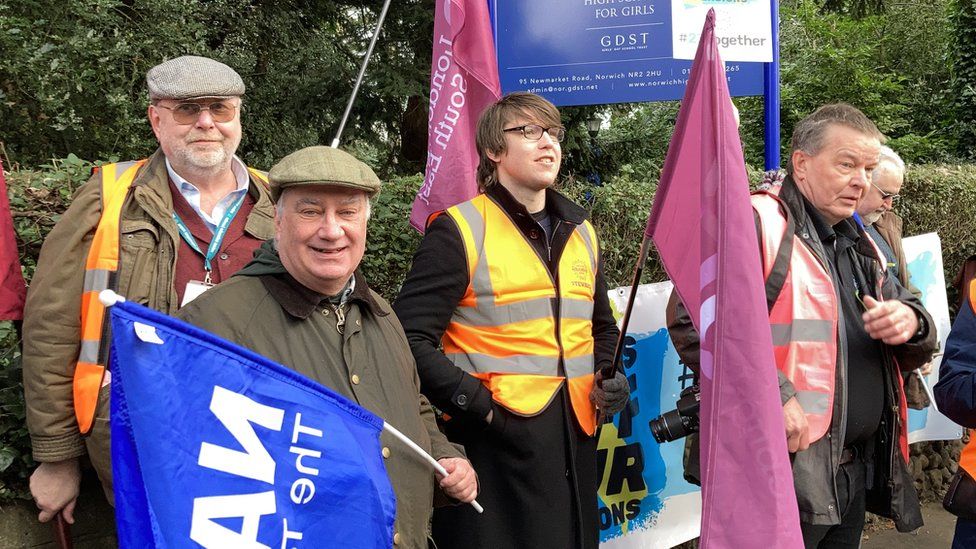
(369, 363)
(52, 318)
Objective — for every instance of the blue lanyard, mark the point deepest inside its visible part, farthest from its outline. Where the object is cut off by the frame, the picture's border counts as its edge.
(218, 236)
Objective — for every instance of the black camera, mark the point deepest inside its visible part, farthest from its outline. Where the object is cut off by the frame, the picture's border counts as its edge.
(681, 421)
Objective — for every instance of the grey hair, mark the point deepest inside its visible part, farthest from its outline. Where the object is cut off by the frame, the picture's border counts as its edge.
(808, 136)
(890, 156)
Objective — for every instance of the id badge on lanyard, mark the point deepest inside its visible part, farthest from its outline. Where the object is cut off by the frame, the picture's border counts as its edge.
(195, 288)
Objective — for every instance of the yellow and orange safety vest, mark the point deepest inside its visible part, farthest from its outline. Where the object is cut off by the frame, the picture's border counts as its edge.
(515, 325)
(101, 270)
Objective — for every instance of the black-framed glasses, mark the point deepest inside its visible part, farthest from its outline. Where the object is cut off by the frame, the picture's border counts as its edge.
(188, 113)
(533, 132)
(885, 195)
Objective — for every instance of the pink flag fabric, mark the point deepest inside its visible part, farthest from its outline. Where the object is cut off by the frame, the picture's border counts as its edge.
(463, 81)
(703, 227)
(12, 287)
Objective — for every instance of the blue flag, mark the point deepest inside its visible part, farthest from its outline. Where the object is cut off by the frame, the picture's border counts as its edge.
(217, 446)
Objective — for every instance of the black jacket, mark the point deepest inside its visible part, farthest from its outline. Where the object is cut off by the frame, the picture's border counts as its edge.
(538, 475)
(893, 493)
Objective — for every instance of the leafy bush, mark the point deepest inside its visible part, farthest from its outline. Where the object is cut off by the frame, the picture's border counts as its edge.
(72, 77)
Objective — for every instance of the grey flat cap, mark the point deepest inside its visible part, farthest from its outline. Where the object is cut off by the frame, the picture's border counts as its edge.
(191, 76)
(322, 166)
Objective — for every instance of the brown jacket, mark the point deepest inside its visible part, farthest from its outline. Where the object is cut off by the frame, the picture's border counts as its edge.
(370, 363)
(148, 247)
(890, 228)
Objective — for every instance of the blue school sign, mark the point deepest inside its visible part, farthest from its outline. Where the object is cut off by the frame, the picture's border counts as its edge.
(585, 52)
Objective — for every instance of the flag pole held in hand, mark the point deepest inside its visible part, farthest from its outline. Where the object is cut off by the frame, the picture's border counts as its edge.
(427, 457)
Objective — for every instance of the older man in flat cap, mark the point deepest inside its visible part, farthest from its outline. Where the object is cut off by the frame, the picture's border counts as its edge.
(302, 302)
(159, 231)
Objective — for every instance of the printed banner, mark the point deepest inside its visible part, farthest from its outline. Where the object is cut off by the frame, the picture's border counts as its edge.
(923, 253)
(644, 500)
(216, 446)
(743, 28)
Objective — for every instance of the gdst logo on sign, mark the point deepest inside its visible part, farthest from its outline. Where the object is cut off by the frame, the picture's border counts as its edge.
(624, 41)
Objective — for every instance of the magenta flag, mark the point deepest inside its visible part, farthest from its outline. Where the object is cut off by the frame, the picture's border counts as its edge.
(12, 288)
(463, 81)
(703, 226)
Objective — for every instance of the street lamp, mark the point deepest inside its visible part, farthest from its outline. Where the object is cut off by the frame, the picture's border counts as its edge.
(593, 125)
(593, 128)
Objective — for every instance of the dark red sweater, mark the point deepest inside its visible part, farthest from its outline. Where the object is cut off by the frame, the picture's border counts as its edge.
(235, 251)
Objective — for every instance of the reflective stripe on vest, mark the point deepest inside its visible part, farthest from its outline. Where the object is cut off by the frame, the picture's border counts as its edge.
(100, 274)
(504, 330)
(803, 320)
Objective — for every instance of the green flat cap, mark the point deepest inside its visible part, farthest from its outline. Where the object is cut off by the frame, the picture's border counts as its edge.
(190, 76)
(322, 166)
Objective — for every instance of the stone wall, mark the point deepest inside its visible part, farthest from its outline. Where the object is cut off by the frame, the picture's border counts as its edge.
(933, 464)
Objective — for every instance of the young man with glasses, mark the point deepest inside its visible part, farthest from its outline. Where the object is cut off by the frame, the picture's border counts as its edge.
(159, 231)
(507, 314)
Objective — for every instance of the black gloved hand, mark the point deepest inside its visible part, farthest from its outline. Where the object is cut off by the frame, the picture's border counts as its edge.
(612, 394)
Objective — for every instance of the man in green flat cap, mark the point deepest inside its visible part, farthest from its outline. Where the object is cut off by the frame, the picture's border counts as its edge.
(301, 302)
(158, 231)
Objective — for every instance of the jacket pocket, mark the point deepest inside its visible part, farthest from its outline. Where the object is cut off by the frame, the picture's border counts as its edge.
(138, 251)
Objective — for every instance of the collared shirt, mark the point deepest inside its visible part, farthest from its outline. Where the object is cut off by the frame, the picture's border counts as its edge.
(192, 194)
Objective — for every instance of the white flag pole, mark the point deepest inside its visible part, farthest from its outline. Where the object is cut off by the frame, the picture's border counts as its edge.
(109, 298)
(362, 72)
(420, 451)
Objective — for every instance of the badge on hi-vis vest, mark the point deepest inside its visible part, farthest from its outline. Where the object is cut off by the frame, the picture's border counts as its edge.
(582, 278)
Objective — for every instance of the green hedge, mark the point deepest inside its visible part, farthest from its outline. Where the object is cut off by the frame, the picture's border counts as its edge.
(939, 198)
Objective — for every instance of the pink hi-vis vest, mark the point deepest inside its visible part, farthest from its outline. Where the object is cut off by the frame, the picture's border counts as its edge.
(803, 318)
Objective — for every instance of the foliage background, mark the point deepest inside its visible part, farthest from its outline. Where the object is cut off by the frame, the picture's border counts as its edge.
(72, 88)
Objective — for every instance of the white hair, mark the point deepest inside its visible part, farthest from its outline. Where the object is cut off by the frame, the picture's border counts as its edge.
(888, 155)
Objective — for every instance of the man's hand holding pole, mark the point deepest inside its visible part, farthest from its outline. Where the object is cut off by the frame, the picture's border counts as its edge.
(797, 427)
(55, 486)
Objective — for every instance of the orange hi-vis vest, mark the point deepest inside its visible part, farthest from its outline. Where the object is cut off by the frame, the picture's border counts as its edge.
(101, 270)
(516, 325)
(803, 319)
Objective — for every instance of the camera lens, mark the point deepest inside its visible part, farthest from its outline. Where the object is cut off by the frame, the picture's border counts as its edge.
(669, 426)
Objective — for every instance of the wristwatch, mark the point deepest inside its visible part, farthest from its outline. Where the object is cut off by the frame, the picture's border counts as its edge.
(922, 327)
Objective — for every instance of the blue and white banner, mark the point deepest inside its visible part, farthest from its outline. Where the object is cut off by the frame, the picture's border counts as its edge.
(590, 52)
(923, 253)
(216, 446)
(644, 500)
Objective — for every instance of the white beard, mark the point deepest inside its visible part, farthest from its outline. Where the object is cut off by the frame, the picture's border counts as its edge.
(205, 160)
(872, 217)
